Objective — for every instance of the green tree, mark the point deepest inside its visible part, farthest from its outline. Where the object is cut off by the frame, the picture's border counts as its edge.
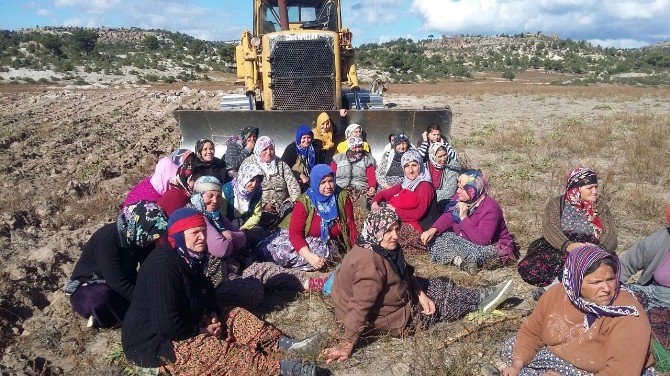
(84, 40)
(508, 75)
(150, 42)
(53, 44)
(227, 52)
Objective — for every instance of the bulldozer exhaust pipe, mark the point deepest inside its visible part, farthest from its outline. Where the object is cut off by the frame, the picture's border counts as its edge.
(283, 14)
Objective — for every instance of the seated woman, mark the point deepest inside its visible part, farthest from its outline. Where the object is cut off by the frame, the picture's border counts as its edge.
(650, 255)
(211, 165)
(324, 131)
(320, 228)
(154, 187)
(280, 189)
(179, 192)
(103, 279)
(444, 172)
(239, 148)
(242, 203)
(375, 289)
(390, 171)
(433, 135)
(411, 199)
(174, 324)
(303, 154)
(236, 281)
(353, 130)
(569, 221)
(355, 171)
(472, 232)
(586, 325)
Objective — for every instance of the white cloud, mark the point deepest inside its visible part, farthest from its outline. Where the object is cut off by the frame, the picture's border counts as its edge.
(627, 21)
(75, 21)
(44, 12)
(618, 43)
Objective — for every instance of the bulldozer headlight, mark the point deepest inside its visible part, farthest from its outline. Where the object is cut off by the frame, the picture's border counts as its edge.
(255, 41)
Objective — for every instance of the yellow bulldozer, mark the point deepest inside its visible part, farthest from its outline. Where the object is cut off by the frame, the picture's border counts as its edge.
(297, 62)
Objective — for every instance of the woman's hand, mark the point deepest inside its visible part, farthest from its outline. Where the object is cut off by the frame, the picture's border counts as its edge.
(227, 234)
(424, 135)
(250, 144)
(343, 112)
(268, 207)
(311, 257)
(385, 186)
(389, 206)
(512, 370)
(371, 192)
(428, 235)
(462, 209)
(211, 326)
(304, 179)
(374, 206)
(572, 246)
(340, 353)
(427, 304)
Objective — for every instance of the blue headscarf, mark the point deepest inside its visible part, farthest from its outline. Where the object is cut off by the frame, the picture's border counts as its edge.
(305, 152)
(181, 220)
(326, 206)
(203, 185)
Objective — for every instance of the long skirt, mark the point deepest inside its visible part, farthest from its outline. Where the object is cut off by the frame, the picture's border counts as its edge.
(361, 205)
(546, 361)
(248, 347)
(278, 248)
(247, 288)
(659, 319)
(445, 247)
(451, 301)
(410, 240)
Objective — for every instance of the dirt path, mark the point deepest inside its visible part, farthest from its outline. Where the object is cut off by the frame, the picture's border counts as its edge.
(69, 157)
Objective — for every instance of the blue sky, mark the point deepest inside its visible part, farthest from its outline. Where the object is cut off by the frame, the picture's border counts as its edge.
(618, 23)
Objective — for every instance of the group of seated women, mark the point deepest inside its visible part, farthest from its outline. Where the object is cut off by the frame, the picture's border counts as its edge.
(210, 235)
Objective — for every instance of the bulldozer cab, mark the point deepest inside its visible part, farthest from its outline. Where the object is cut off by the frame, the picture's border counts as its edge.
(302, 14)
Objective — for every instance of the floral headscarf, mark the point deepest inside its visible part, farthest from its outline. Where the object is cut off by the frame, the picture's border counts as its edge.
(327, 136)
(578, 178)
(476, 186)
(199, 145)
(308, 152)
(432, 154)
(179, 156)
(263, 143)
(400, 137)
(185, 175)
(352, 154)
(242, 196)
(579, 260)
(141, 224)
(424, 175)
(202, 185)
(376, 225)
(326, 206)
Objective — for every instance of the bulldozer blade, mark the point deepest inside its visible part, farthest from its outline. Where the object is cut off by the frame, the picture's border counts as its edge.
(281, 126)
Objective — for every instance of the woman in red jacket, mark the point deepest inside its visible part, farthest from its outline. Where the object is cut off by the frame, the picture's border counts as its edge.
(411, 200)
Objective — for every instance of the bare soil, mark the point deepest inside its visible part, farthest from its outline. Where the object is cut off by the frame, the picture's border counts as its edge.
(68, 157)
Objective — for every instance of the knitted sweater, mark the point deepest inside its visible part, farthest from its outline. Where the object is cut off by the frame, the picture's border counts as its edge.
(235, 155)
(169, 300)
(553, 233)
(175, 198)
(279, 187)
(290, 155)
(104, 256)
(611, 345)
(645, 255)
(426, 195)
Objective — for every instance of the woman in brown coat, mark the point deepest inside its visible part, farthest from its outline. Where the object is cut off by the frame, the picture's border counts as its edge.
(375, 290)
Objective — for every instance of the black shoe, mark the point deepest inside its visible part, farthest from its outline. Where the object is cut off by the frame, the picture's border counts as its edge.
(537, 293)
(291, 368)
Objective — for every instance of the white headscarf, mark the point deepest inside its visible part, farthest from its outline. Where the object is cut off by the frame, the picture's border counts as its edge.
(242, 196)
(263, 143)
(351, 128)
(414, 156)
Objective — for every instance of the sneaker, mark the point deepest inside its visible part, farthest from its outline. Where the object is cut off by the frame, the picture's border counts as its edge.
(91, 322)
(492, 298)
(316, 284)
(307, 346)
(537, 293)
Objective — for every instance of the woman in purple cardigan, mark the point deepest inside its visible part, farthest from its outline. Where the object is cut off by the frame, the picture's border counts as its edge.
(472, 231)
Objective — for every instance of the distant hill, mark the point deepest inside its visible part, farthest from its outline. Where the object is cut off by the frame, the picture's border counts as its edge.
(134, 55)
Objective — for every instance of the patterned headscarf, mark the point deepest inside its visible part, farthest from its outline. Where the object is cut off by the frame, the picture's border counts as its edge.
(263, 143)
(165, 170)
(242, 196)
(424, 175)
(141, 224)
(326, 206)
(578, 178)
(248, 131)
(203, 185)
(579, 260)
(199, 145)
(308, 152)
(351, 128)
(432, 154)
(374, 227)
(327, 136)
(179, 156)
(352, 154)
(185, 175)
(476, 186)
(180, 221)
(400, 137)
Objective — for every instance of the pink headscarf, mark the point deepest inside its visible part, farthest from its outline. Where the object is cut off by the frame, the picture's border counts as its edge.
(164, 172)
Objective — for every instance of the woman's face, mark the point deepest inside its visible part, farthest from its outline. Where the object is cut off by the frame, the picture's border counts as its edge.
(212, 200)
(305, 141)
(434, 135)
(251, 185)
(207, 152)
(462, 193)
(252, 138)
(325, 126)
(401, 147)
(589, 192)
(599, 286)
(441, 157)
(268, 154)
(327, 185)
(356, 132)
(390, 238)
(412, 170)
(196, 239)
(358, 149)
